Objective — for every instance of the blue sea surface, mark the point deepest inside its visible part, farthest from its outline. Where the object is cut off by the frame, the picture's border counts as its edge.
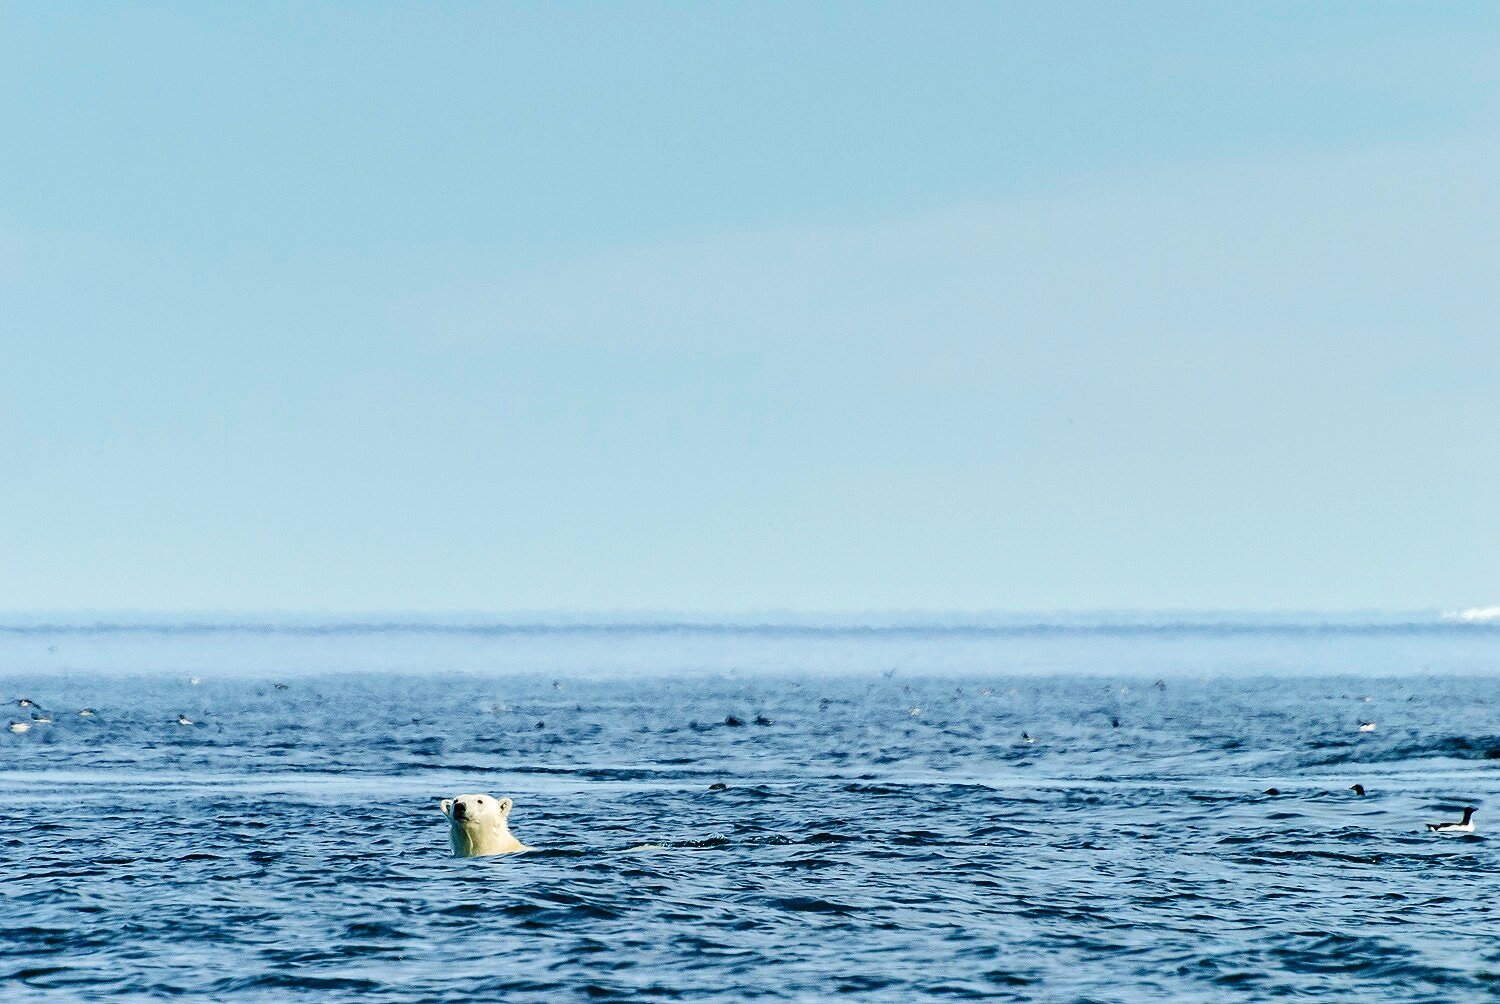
(840, 809)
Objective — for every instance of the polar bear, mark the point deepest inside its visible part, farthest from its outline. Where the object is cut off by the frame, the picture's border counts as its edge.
(477, 826)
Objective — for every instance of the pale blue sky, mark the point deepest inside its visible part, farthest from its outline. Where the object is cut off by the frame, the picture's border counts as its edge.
(346, 307)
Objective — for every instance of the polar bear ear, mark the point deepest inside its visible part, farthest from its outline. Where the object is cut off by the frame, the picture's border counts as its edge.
(505, 805)
(446, 807)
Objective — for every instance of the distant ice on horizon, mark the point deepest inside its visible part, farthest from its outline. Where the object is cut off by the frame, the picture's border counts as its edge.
(1473, 615)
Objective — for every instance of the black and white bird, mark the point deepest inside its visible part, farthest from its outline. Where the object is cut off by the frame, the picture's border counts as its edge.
(184, 720)
(1358, 789)
(1465, 825)
(19, 727)
(1367, 726)
(87, 712)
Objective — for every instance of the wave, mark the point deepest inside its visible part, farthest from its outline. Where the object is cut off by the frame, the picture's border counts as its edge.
(1447, 747)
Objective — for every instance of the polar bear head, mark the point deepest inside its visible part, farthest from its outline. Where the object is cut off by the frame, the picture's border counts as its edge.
(478, 825)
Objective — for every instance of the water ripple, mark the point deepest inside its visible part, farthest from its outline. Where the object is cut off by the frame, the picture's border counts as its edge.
(291, 847)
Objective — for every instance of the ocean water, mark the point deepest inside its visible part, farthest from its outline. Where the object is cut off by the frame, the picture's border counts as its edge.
(876, 829)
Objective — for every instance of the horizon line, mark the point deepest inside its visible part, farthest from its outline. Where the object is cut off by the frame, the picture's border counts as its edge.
(657, 614)
(1125, 622)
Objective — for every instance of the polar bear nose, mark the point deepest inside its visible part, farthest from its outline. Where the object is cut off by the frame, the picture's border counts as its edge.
(458, 810)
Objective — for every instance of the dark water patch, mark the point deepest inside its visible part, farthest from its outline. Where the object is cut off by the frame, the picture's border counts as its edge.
(807, 904)
(293, 983)
(917, 837)
(571, 913)
(33, 973)
(1376, 958)
(1486, 747)
(864, 984)
(564, 853)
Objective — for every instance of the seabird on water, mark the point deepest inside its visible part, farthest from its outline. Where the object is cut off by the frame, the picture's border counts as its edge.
(1465, 825)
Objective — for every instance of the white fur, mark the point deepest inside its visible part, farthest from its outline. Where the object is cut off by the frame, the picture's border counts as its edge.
(477, 826)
